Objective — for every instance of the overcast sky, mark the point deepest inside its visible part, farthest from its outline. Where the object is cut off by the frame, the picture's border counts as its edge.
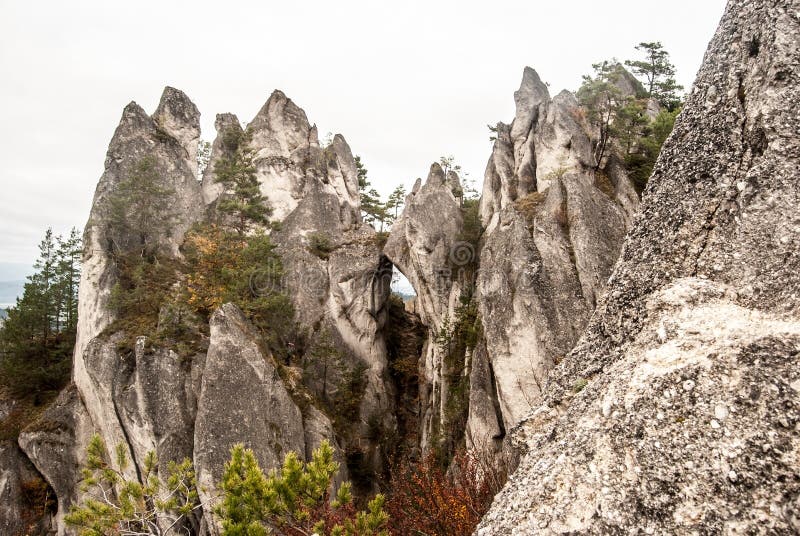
(404, 82)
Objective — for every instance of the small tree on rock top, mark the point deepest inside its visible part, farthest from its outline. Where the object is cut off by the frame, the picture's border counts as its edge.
(659, 74)
(236, 171)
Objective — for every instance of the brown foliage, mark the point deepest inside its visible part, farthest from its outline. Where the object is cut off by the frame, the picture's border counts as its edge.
(426, 499)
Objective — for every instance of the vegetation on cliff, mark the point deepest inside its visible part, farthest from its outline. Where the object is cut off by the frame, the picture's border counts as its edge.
(297, 500)
(629, 122)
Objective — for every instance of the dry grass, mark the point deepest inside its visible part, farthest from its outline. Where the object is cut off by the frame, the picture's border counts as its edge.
(604, 184)
(530, 205)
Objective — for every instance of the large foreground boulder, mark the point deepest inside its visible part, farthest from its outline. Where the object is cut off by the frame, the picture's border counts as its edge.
(677, 413)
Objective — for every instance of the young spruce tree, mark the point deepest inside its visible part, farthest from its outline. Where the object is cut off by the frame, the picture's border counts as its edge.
(236, 171)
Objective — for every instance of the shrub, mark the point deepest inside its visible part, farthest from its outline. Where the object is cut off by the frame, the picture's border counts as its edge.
(115, 505)
(455, 339)
(381, 237)
(320, 244)
(427, 499)
(579, 385)
(294, 501)
(223, 267)
(347, 400)
(405, 338)
(530, 205)
(604, 184)
(143, 285)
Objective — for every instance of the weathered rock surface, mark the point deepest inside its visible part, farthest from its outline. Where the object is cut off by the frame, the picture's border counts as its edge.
(340, 292)
(223, 123)
(553, 227)
(159, 399)
(56, 446)
(242, 399)
(22, 493)
(166, 138)
(678, 410)
(552, 235)
(424, 245)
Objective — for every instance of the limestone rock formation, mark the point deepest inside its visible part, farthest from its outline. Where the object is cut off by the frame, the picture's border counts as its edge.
(662, 397)
(224, 123)
(678, 410)
(156, 398)
(554, 226)
(137, 136)
(424, 245)
(266, 420)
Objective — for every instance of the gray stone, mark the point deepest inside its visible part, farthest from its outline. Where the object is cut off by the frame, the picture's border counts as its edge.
(424, 245)
(552, 235)
(701, 313)
(56, 444)
(21, 490)
(242, 399)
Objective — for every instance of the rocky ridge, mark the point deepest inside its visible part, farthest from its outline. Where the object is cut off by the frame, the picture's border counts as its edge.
(552, 226)
(155, 398)
(677, 412)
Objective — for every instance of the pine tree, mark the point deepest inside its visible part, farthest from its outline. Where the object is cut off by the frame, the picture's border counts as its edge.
(140, 210)
(396, 200)
(603, 100)
(373, 210)
(640, 162)
(115, 505)
(236, 171)
(659, 74)
(629, 124)
(448, 163)
(37, 338)
(361, 172)
(45, 282)
(293, 501)
(68, 274)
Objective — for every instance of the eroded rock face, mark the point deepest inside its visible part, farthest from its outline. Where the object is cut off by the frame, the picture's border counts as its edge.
(224, 123)
(151, 398)
(56, 446)
(242, 399)
(22, 492)
(680, 433)
(553, 232)
(165, 138)
(289, 160)
(553, 227)
(664, 417)
(424, 245)
(180, 118)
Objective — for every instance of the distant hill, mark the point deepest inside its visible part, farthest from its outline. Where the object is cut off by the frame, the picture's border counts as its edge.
(3, 314)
